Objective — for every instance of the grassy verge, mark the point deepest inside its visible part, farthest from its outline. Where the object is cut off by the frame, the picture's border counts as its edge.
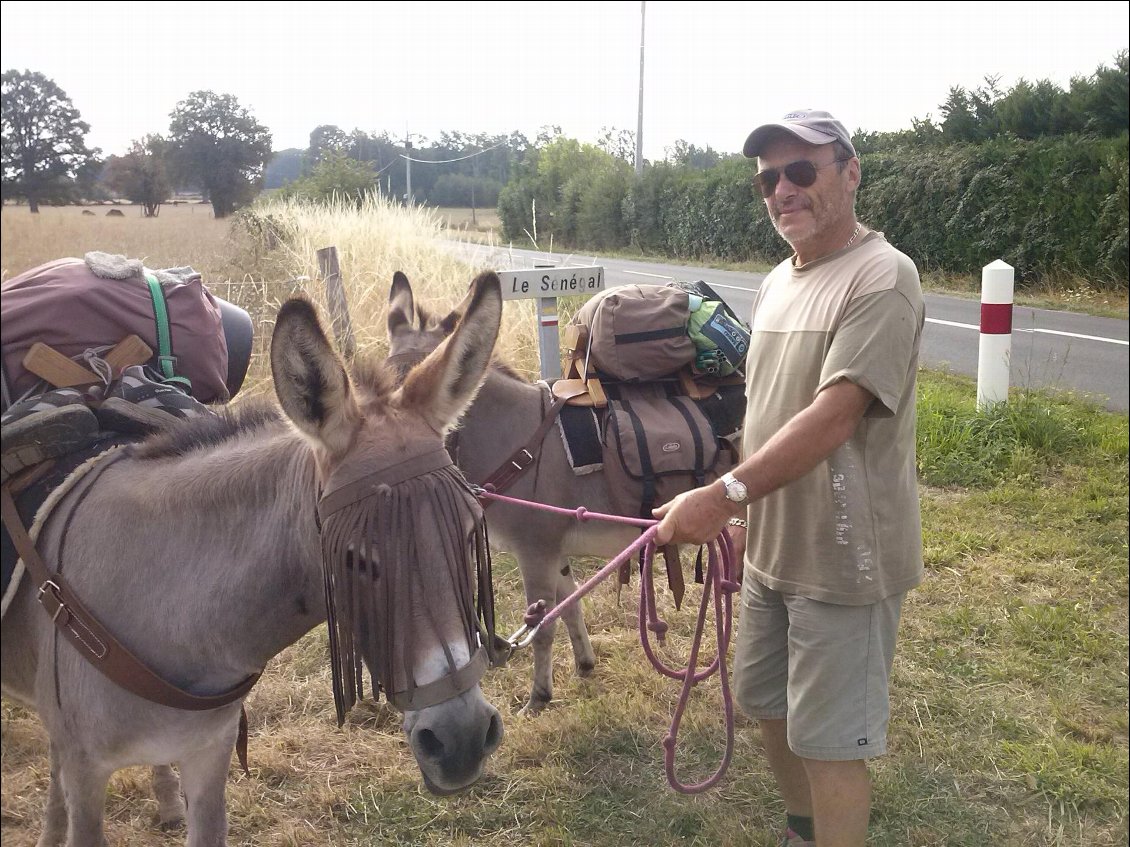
(1009, 706)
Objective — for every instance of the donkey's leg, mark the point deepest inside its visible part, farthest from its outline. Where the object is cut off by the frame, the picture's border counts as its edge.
(574, 618)
(55, 812)
(83, 784)
(203, 775)
(170, 803)
(539, 578)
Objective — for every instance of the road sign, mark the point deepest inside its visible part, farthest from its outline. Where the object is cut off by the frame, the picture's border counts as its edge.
(537, 283)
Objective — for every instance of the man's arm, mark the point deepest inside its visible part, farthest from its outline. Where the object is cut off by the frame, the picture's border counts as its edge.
(809, 437)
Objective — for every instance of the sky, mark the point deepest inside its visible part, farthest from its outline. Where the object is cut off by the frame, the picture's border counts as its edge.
(712, 71)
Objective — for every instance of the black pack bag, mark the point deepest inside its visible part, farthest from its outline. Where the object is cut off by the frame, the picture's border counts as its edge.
(657, 444)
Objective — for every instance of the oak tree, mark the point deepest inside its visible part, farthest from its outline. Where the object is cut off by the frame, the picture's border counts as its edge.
(43, 139)
(219, 146)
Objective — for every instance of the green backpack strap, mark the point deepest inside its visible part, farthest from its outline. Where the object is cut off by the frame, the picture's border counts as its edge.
(166, 361)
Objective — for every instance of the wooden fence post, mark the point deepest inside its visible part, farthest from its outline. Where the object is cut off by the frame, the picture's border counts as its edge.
(335, 294)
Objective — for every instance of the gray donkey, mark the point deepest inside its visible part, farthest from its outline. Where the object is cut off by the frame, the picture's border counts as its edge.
(201, 551)
(502, 418)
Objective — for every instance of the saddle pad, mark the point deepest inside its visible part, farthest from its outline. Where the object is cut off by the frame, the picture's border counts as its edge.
(29, 502)
(580, 433)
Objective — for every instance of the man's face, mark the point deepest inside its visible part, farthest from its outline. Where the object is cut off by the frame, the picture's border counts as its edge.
(805, 215)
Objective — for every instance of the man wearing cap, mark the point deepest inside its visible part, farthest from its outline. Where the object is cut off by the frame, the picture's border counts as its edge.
(828, 483)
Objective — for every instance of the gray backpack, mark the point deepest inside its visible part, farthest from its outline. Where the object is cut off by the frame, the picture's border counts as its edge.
(638, 332)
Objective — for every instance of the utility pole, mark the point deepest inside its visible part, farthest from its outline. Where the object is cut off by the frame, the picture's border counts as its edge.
(474, 176)
(408, 169)
(639, 119)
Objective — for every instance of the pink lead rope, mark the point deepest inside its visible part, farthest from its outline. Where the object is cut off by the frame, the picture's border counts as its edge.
(719, 586)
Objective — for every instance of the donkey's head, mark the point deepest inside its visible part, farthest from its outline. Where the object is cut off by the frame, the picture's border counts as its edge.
(400, 528)
(414, 332)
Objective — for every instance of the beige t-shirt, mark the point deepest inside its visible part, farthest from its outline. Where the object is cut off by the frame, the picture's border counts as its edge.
(848, 532)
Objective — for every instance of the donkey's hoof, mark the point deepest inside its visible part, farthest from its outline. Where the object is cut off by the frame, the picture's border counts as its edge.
(533, 708)
(171, 824)
(585, 667)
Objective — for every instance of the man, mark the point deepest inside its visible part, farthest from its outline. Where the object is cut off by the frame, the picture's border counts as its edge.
(827, 483)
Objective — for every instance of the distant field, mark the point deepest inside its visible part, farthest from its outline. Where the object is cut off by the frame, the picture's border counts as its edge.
(472, 224)
(181, 231)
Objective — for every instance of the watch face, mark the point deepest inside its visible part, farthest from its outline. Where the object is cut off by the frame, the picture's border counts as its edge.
(735, 490)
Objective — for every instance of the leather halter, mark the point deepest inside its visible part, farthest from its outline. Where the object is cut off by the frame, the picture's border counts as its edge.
(348, 502)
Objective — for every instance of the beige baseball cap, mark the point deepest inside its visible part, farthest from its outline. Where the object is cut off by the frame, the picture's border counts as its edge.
(810, 125)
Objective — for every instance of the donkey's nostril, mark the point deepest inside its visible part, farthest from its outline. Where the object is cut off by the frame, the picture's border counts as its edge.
(494, 734)
(429, 742)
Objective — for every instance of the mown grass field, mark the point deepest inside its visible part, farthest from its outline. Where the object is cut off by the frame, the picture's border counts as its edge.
(1009, 701)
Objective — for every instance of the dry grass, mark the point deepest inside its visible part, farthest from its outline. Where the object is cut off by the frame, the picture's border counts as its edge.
(991, 741)
(478, 225)
(178, 232)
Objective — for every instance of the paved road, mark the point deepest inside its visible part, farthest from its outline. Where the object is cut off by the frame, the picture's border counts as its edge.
(1057, 350)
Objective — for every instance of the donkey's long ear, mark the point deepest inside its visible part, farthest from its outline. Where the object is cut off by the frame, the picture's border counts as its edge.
(449, 323)
(401, 305)
(445, 383)
(310, 380)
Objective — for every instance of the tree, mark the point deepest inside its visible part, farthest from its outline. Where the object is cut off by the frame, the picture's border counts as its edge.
(697, 158)
(43, 139)
(326, 141)
(619, 143)
(142, 175)
(335, 177)
(219, 146)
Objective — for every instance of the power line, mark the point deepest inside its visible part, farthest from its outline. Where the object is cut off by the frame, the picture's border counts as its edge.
(449, 161)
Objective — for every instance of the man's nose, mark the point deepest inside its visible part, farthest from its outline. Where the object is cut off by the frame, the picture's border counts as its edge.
(785, 187)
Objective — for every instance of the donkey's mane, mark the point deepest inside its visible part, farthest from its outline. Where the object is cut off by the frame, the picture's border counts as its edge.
(210, 430)
(372, 377)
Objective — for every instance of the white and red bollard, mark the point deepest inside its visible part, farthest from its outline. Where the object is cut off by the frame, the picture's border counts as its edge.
(994, 354)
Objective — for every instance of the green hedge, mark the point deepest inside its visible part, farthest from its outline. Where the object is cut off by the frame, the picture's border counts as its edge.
(1047, 207)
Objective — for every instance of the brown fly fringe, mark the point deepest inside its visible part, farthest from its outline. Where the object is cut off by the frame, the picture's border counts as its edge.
(388, 573)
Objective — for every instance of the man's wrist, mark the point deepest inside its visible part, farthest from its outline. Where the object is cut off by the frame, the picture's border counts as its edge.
(734, 490)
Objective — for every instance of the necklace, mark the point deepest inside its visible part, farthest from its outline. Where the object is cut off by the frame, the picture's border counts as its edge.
(854, 235)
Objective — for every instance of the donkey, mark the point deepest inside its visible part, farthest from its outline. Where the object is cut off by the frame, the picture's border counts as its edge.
(202, 551)
(503, 417)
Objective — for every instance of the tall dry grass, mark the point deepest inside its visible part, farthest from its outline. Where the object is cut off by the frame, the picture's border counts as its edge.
(256, 259)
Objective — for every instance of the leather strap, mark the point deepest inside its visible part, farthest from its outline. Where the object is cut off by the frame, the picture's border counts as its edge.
(344, 495)
(442, 689)
(92, 640)
(519, 462)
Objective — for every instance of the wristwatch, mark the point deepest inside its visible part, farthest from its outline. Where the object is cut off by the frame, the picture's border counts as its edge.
(735, 489)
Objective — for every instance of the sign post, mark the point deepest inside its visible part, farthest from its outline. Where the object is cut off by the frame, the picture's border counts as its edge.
(545, 284)
(994, 352)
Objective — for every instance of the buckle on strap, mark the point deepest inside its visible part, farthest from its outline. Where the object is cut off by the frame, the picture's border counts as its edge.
(51, 598)
(522, 456)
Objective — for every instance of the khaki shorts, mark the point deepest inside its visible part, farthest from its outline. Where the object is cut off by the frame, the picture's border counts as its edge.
(823, 667)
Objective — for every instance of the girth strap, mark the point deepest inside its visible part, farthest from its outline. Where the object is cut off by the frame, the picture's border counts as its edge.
(92, 640)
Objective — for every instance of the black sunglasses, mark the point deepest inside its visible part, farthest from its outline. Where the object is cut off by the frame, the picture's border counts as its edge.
(801, 174)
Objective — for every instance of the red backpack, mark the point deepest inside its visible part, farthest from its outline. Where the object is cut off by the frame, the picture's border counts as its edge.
(200, 342)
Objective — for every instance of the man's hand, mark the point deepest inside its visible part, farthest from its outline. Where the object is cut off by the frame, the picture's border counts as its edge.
(693, 517)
